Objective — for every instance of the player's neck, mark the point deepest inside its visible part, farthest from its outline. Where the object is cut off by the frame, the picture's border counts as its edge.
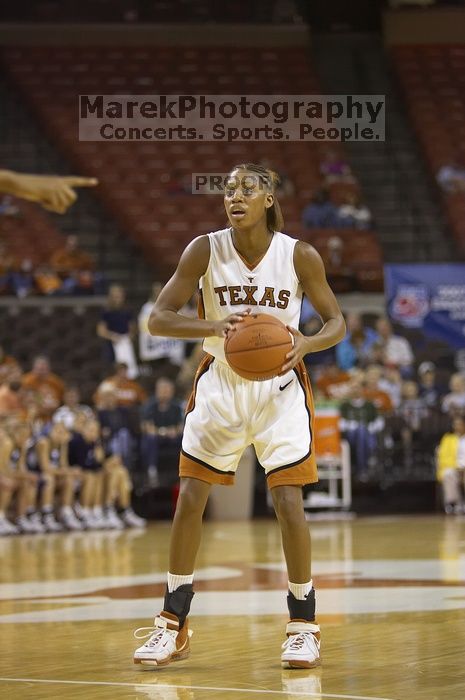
(252, 243)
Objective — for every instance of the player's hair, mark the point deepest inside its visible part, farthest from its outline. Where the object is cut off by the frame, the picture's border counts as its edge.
(270, 179)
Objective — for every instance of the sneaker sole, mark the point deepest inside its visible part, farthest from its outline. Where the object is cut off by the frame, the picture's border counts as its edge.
(301, 664)
(177, 656)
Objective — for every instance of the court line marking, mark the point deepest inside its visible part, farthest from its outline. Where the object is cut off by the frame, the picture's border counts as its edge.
(196, 687)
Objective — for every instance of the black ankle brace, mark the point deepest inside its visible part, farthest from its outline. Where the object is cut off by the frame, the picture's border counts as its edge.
(302, 609)
(179, 602)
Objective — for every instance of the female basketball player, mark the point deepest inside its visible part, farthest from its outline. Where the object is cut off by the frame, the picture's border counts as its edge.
(249, 266)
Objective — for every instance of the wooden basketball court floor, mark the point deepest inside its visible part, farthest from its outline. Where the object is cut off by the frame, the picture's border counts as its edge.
(391, 600)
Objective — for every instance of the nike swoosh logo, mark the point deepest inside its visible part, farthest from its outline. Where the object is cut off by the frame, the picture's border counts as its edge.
(281, 388)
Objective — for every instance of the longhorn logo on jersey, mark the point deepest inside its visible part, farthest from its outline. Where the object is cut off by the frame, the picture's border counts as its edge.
(252, 295)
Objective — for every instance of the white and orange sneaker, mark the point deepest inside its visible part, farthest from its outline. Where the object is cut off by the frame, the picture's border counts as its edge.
(302, 646)
(166, 641)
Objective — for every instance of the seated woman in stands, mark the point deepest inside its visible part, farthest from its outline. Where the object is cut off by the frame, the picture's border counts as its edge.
(8, 486)
(19, 460)
(58, 477)
(117, 494)
(85, 451)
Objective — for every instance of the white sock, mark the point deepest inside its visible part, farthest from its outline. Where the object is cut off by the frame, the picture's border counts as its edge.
(174, 581)
(300, 590)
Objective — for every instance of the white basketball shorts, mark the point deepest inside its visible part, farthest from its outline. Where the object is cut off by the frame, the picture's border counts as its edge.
(226, 413)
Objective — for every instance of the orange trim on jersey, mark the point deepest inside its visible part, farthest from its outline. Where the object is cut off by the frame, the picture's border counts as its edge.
(190, 466)
(305, 470)
(203, 367)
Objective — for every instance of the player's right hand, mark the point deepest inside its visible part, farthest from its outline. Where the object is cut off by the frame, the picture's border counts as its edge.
(53, 192)
(228, 325)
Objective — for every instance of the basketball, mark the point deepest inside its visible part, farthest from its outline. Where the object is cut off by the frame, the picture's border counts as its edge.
(257, 349)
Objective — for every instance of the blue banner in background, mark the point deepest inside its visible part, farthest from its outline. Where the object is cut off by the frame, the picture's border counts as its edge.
(430, 298)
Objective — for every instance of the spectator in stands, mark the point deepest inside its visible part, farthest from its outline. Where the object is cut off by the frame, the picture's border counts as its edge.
(321, 212)
(44, 466)
(71, 408)
(116, 425)
(74, 266)
(10, 400)
(334, 168)
(354, 214)
(20, 457)
(451, 177)
(429, 389)
(10, 369)
(117, 493)
(333, 382)
(339, 273)
(85, 451)
(413, 409)
(373, 392)
(58, 478)
(54, 192)
(129, 393)
(48, 387)
(354, 350)
(360, 425)
(391, 383)
(454, 402)
(21, 281)
(70, 258)
(117, 327)
(396, 350)
(8, 484)
(451, 467)
(165, 355)
(46, 281)
(162, 423)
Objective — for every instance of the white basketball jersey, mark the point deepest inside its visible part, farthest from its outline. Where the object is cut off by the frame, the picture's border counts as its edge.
(229, 285)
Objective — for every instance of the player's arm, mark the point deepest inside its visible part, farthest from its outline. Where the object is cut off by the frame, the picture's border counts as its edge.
(165, 319)
(55, 193)
(311, 273)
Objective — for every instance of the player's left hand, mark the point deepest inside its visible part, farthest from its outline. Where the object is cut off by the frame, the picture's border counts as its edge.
(298, 352)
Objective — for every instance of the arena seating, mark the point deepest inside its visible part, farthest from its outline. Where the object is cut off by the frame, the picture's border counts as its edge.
(433, 80)
(132, 174)
(31, 234)
(66, 334)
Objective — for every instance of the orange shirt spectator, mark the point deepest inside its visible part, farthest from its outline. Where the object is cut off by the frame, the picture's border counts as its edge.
(70, 258)
(128, 392)
(9, 368)
(379, 398)
(10, 401)
(373, 391)
(47, 280)
(333, 382)
(48, 387)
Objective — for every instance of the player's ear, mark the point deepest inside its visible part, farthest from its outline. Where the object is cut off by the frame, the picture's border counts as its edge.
(269, 201)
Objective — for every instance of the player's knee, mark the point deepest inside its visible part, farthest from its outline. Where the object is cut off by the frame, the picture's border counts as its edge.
(192, 498)
(287, 502)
